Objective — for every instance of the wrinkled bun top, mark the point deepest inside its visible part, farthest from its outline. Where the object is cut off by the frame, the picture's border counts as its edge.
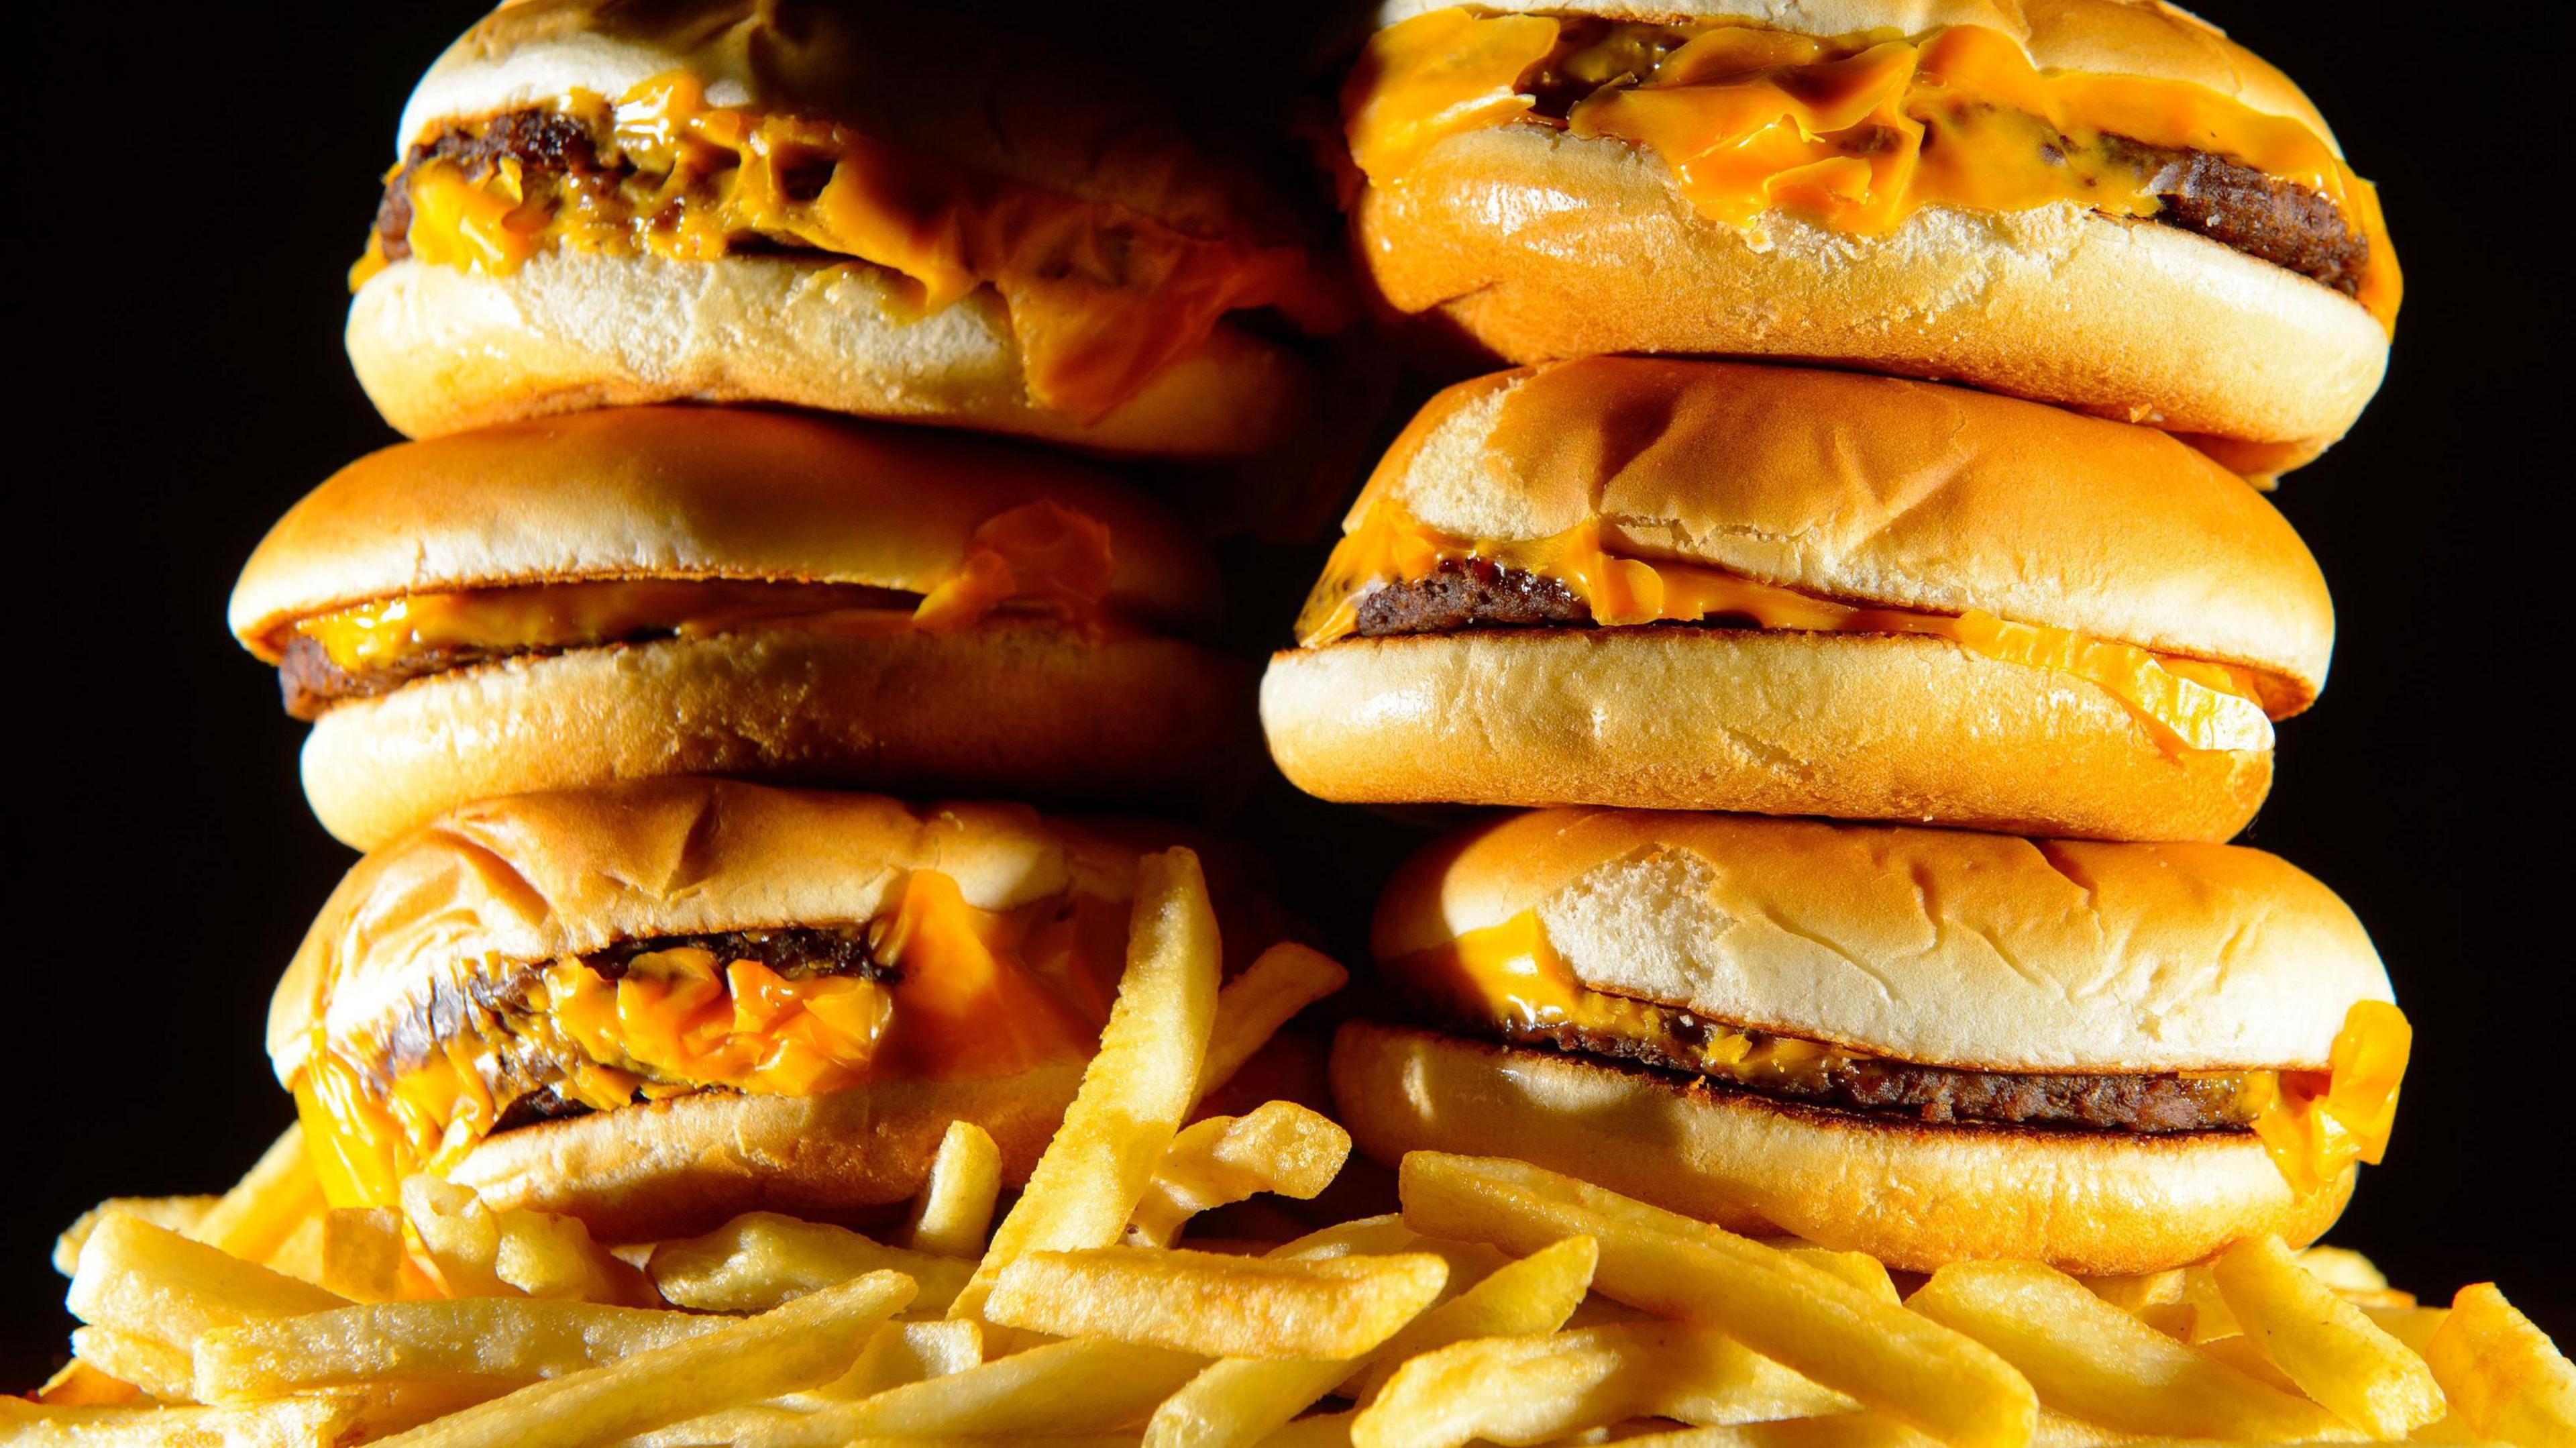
(690, 492)
(536, 877)
(1875, 490)
(918, 77)
(2105, 37)
(1933, 946)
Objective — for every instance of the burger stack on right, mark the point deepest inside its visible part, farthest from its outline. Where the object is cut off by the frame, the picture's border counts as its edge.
(1877, 737)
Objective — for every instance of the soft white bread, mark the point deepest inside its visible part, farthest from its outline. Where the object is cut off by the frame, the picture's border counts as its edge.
(1936, 947)
(691, 492)
(1913, 1196)
(1854, 726)
(510, 881)
(1018, 709)
(1873, 490)
(440, 350)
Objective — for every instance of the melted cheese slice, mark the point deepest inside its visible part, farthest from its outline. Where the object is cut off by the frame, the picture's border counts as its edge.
(2314, 1124)
(2182, 703)
(1101, 297)
(1849, 133)
(976, 994)
(1037, 560)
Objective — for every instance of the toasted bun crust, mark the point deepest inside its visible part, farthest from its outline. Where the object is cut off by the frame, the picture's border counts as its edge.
(1856, 726)
(1530, 246)
(441, 350)
(1942, 948)
(684, 1166)
(688, 492)
(1913, 1196)
(1018, 709)
(1875, 490)
(546, 875)
(2121, 37)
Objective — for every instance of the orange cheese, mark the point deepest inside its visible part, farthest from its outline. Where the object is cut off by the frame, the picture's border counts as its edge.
(2313, 1123)
(1040, 559)
(2183, 703)
(1102, 297)
(1854, 133)
(973, 994)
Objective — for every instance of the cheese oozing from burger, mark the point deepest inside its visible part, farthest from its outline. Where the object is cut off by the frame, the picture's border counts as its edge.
(1101, 296)
(1857, 133)
(935, 989)
(2183, 703)
(1508, 980)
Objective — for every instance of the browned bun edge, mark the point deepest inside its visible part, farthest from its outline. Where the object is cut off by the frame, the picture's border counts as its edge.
(1913, 1196)
(441, 350)
(1500, 237)
(1849, 725)
(1003, 709)
(1877, 490)
(691, 492)
(682, 1166)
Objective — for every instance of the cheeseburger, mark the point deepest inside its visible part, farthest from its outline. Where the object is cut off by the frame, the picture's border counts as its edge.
(1708, 585)
(658, 591)
(1921, 1044)
(848, 207)
(659, 1004)
(2101, 203)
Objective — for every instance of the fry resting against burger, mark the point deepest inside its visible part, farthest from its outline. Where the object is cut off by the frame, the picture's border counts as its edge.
(1921, 1044)
(847, 207)
(656, 1005)
(657, 591)
(2093, 202)
(1706, 585)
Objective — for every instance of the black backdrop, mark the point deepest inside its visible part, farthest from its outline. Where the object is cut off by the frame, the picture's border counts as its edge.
(190, 198)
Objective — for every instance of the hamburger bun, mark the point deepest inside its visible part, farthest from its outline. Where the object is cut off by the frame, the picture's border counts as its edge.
(442, 348)
(1528, 243)
(1959, 952)
(1117, 700)
(1867, 492)
(448, 913)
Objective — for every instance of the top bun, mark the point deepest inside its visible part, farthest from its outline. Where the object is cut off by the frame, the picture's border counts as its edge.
(540, 876)
(1871, 489)
(690, 492)
(1981, 952)
(2116, 37)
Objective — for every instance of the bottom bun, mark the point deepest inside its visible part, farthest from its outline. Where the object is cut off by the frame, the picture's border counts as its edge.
(1913, 1196)
(682, 1166)
(1021, 711)
(1750, 721)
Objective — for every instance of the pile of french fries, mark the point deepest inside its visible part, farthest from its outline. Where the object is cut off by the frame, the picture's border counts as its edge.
(1504, 1304)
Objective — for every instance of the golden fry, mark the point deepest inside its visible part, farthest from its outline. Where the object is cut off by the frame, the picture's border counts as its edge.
(279, 1192)
(544, 1255)
(1279, 1147)
(2327, 1346)
(150, 1282)
(2136, 1293)
(178, 1214)
(460, 1236)
(1531, 1297)
(1066, 1388)
(954, 1213)
(155, 1367)
(1280, 982)
(761, 1259)
(500, 1342)
(1219, 1306)
(2505, 1378)
(285, 1423)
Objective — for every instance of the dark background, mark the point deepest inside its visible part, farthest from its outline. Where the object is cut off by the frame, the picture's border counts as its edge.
(207, 175)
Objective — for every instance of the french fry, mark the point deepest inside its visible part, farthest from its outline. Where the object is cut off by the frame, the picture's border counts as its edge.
(1062, 1389)
(1531, 1297)
(1279, 1147)
(2205, 1315)
(1280, 982)
(1519, 1390)
(544, 1255)
(459, 1235)
(2343, 1269)
(500, 1342)
(1859, 1269)
(787, 1349)
(761, 1259)
(1322, 1430)
(77, 1384)
(1842, 1430)
(2090, 1359)
(2136, 1293)
(364, 1257)
(2246, 1356)
(1800, 1316)
(2413, 1326)
(148, 1363)
(255, 1218)
(1137, 1090)
(907, 1352)
(151, 1282)
(2503, 1375)
(178, 1214)
(1215, 1305)
(2327, 1346)
(954, 1213)
(284, 1423)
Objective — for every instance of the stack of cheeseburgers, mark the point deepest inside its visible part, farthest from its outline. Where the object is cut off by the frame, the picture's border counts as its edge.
(1847, 636)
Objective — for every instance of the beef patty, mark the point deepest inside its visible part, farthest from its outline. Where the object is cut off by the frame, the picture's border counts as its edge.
(310, 682)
